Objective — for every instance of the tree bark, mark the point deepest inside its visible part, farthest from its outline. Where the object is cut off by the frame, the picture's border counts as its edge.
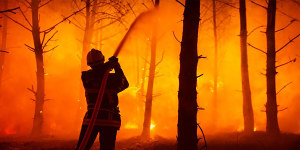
(3, 41)
(271, 106)
(149, 95)
(247, 103)
(40, 93)
(215, 92)
(187, 95)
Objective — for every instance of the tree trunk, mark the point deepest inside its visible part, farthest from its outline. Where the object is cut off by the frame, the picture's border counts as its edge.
(143, 75)
(3, 41)
(87, 37)
(86, 47)
(215, 92)
(40, 93)
(187, 95)
(247, 103)
(137, 68)
(271, 106)
(149, 95)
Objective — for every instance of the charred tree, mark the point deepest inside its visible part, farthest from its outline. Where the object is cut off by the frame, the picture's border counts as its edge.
(90, 11)
(40, 74)
(215, 87)
(247, 103)
(88, 32)
(187, 95)
(39, 50)
(3, 41)
(149, 94)
(271, 106)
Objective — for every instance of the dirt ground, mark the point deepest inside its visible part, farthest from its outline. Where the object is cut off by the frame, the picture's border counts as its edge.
(228, 141)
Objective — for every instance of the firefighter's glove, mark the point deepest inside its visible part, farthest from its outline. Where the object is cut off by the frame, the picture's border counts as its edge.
(113, 62)
(113, 59)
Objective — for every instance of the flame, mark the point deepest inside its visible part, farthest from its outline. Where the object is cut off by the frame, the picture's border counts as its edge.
(131, 126)
(9, 131)
(254, 129)
(240, 128)
(152, 125)
(219, 85)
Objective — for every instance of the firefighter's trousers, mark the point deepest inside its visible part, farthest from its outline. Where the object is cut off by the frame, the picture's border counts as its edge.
(107, 137)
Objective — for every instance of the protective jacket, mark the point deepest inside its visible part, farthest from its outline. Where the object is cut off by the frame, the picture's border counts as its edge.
(108, 115)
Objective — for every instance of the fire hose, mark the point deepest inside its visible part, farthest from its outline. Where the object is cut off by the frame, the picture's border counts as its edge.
(103, 84)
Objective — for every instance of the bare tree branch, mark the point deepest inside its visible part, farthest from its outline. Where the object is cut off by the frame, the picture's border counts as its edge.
(48, 99)
(64, 19)
(10, 10)
(28, 3)
(282, 109)
(257, 48)
(131, 9)
(259, 5)
(255, 29)
(106, 25)
(30, 48)
(283, 87)
(286, 14)
(45, 3)
(206, 11)
(4, 51)
(50, 49)
(25, 18)
(18, 23)
(145, 5)
(180, 3)
(176, 37)
(291, 22)
(145, 60)
(199, 75)
(110, 18)
(161, 59)
(32, 90)
(43, 46)
(78, 26)
(44, 36)
(228, 4)
(287, 43)
(221, 22)
(293, 60)
(199, 57)
(296, 2)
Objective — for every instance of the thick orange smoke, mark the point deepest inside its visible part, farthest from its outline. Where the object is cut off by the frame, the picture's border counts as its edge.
(63, 112)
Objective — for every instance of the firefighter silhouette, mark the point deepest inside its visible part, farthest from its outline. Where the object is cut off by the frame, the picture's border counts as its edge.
(108, 119)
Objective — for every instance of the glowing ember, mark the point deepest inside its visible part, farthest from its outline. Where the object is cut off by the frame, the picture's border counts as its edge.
(41, 111)
(254, 129)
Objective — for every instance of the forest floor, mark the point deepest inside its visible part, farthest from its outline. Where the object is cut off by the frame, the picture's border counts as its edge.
(226, 141)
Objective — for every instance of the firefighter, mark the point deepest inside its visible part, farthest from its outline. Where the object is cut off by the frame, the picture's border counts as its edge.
(108, 119)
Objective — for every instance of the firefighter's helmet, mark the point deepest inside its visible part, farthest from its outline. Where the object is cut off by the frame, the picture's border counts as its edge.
(94, 57)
